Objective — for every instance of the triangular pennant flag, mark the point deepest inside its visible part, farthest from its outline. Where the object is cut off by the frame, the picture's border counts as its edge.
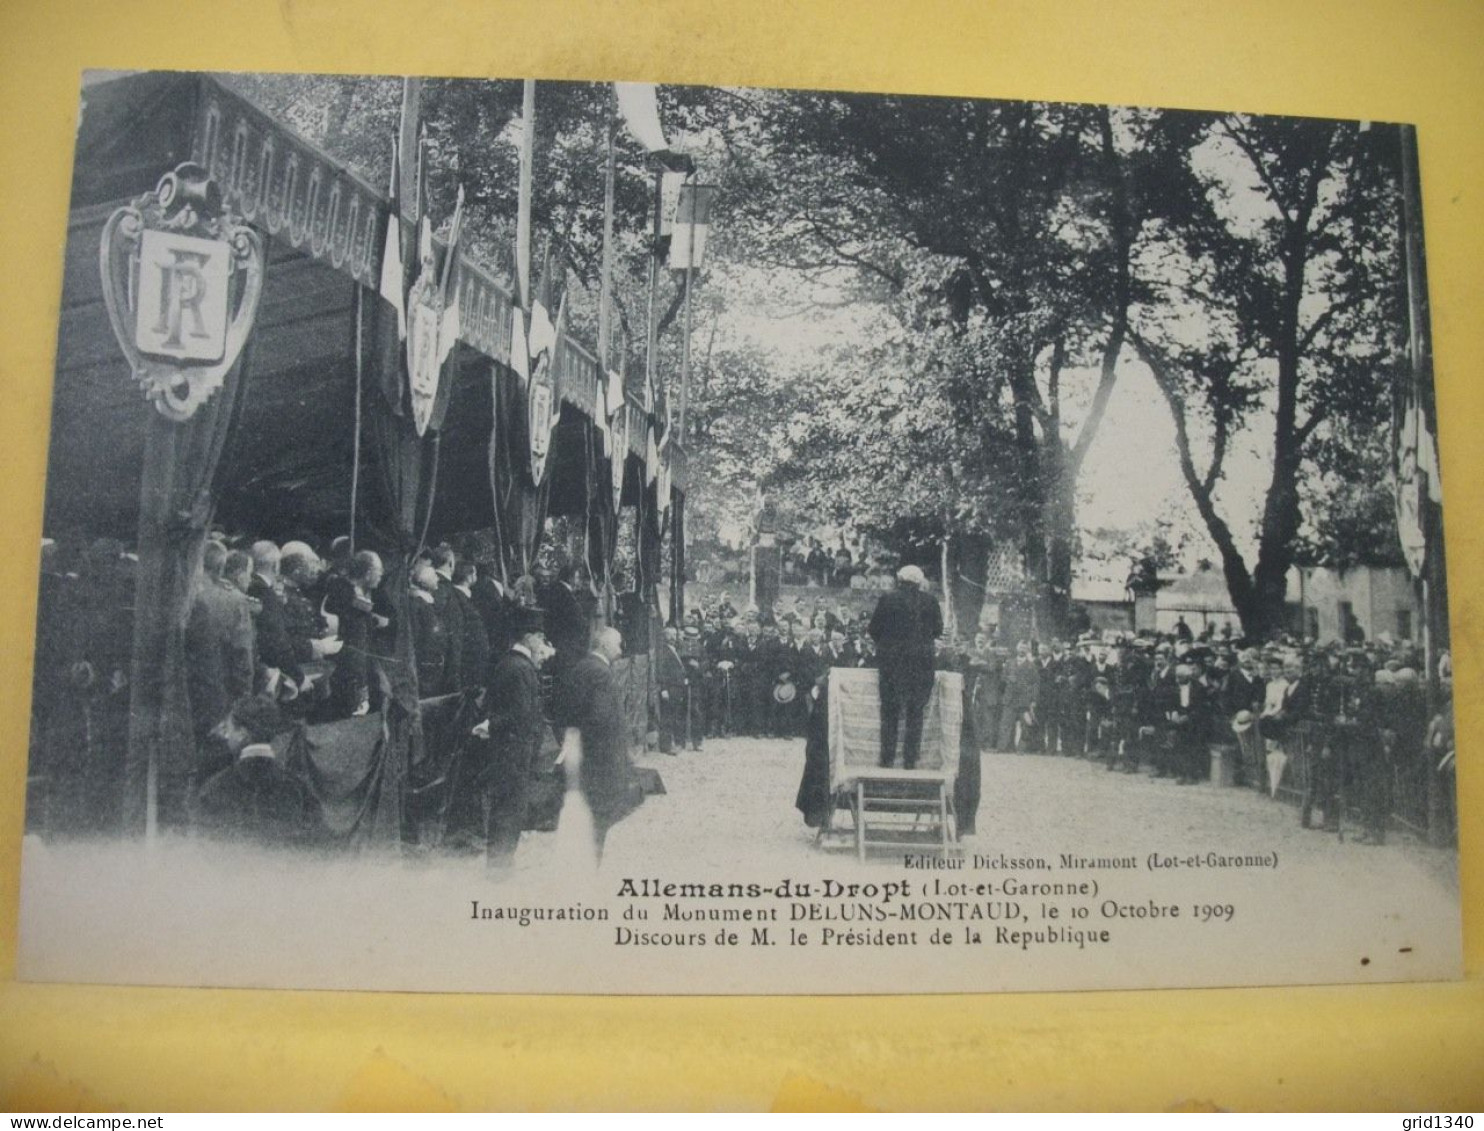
(393, 275)
(520, 352)
(613, 394)
(452, 327)
(692, 225)
(542, 339)
(638, 104)
(662, 478)
(619, 410)
(1410, 489)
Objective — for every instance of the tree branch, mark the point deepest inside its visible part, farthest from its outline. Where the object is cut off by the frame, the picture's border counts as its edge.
(852, 257)
(1053, 385)
(1258, 165)
(1123, 237)
(1218, 454)
(668, 318)
(1305, 430)
(1237, 573)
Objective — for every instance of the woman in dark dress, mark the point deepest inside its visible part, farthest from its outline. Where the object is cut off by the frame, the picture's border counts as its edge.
(814, 798)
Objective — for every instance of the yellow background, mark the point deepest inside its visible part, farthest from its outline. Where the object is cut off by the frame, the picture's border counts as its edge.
(1416, 1048)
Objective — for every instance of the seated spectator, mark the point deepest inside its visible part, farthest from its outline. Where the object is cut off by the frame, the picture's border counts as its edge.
(255, 799)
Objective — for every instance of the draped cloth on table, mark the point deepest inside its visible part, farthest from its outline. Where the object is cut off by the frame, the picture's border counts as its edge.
(520, 505)
(177, 498)
(404, 485)
(855, 724)
(343, 763)
(600, 519)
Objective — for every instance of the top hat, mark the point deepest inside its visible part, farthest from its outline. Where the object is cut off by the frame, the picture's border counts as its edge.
(527, 619)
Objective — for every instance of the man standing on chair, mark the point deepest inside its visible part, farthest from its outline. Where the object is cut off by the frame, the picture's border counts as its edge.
(904, 626)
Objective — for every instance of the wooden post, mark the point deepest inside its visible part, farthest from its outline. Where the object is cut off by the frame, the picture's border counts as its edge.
(677, 557)
(407, 146)
(651, 366)
(690, 270)
(605, 290)
(523, 212)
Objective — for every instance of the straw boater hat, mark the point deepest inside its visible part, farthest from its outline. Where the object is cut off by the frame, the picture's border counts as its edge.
(784, 692)
(1242, 722)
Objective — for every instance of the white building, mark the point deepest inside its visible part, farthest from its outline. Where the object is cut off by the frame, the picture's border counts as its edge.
(1323, 604)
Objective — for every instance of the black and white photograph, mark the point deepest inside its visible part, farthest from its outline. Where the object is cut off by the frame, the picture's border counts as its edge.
(608, 537)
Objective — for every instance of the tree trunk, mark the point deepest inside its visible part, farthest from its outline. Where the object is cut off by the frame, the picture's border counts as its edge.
(968, 563)
(1061, 533)
(1280, 514)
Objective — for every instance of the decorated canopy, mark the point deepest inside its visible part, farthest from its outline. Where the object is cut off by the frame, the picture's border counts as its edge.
(288, 463)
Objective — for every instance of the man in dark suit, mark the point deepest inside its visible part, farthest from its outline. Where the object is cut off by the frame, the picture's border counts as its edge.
(674, 692)
(1185, 715)
(218, 645)
(495, 605)
(905, 625)
(1018, 705)
(723, 713)
(775, 666)
(566, 620)
(430, 636)
(588, 702)
(751, 682)
(473, 641)
(514, 729)
(451, 613)
(1055, 689)
(275, 646)
(693, 654)
(1244, 692)
(810, 661)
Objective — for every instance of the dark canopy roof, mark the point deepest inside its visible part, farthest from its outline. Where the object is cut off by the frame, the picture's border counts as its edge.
(288, 466)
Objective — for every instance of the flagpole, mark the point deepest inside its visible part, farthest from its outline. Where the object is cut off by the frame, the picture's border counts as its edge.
(651, 329)
(523, 213)
(355, 449)
(690, 270)
(605, 292)
(407, 148)
(1418, 350)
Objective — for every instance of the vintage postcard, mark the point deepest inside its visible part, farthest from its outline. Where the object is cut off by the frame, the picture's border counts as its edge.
(615, 538)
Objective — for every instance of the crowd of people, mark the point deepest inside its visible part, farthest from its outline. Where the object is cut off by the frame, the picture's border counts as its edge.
(279, 635)
(726, 673)
(1347, 726)
(808, 561)
(275, 636)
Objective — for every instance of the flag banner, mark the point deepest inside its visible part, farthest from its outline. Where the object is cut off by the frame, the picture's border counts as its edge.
(662, 477)
(613, 394)
(452, 280)
(520, 353)
(618, 428)
(671, 183)
(692, 223)
(1411, 487)
(393, 274)
(619, 456)
(433, 318)
(641, 114)
(542, 341)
